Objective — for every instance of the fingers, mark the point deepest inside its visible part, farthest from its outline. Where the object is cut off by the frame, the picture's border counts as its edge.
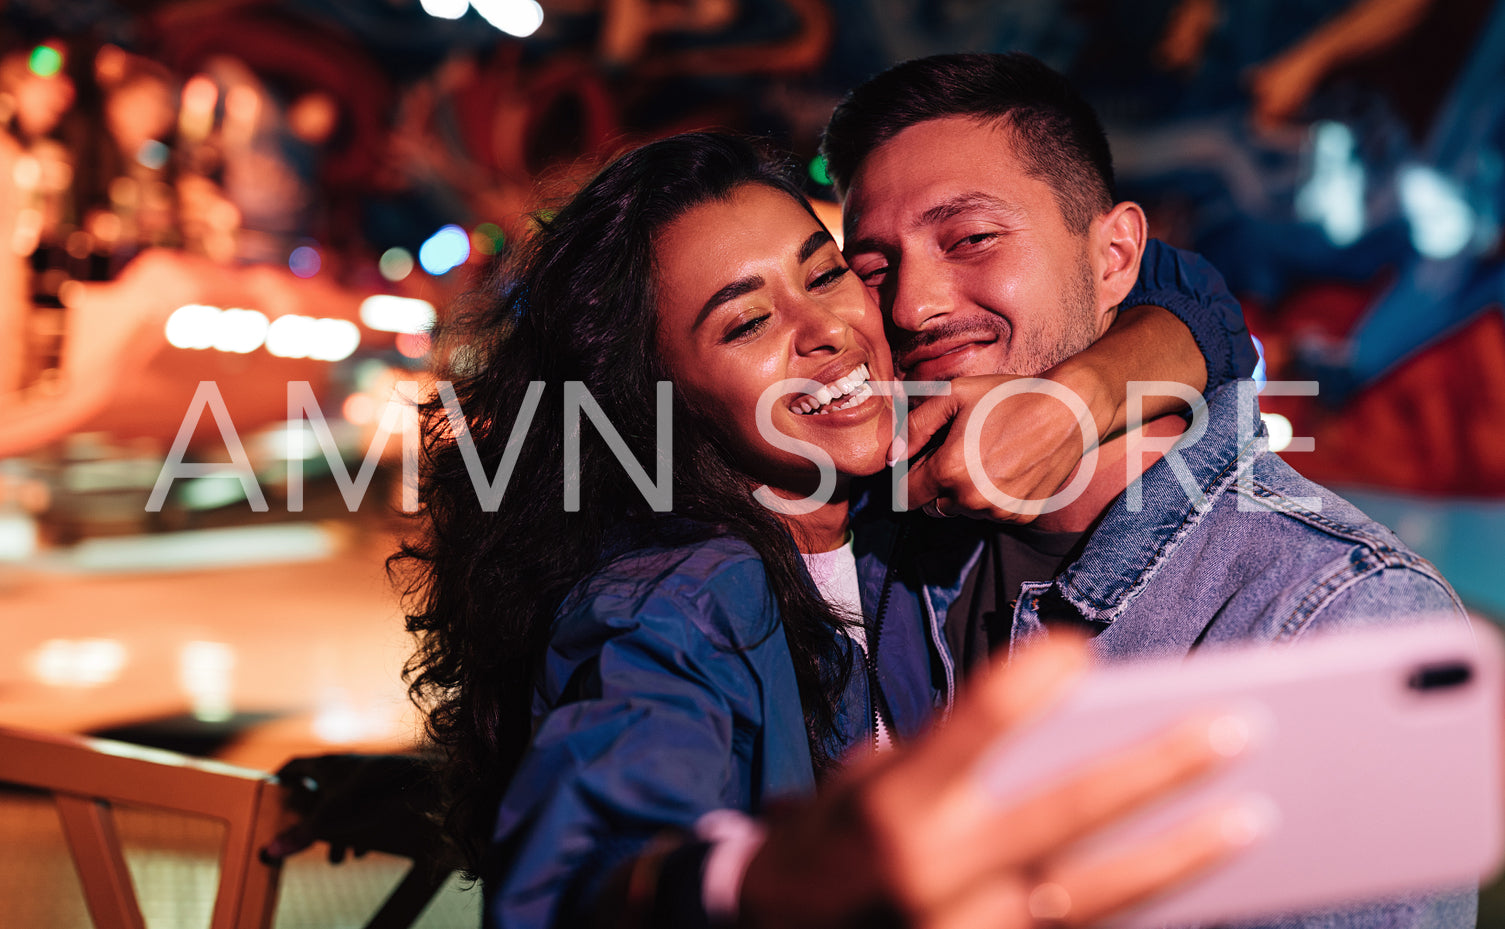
(923, 422)
(1085, 892)
(961, 811)
(1115, 786)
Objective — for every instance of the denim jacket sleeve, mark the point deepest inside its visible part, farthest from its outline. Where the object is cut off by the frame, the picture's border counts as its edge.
(640, 728)
(1191, 288)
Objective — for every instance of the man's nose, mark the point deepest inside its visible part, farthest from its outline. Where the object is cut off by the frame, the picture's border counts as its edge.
(921, 292)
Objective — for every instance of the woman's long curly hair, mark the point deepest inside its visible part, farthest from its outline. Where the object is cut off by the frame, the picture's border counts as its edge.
(577, 304)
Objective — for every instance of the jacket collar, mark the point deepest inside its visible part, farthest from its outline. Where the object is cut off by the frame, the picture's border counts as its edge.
(1140, 528)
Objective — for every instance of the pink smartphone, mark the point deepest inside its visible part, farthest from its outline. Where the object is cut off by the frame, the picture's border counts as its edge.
(1374, 758)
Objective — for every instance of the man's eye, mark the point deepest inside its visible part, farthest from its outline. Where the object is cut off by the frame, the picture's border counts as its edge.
(744, 329)
(829, 278)
(872, 277)
(974, 239)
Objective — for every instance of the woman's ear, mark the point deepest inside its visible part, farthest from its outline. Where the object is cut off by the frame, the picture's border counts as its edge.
(1120, 235)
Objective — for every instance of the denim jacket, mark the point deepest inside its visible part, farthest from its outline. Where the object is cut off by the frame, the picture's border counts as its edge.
(1222, 542)
(668, 691)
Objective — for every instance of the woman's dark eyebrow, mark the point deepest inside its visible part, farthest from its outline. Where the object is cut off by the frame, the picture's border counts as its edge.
(813, 244)
(746, 285)
(742, 285)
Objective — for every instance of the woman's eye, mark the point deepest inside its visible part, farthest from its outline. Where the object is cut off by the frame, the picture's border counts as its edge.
(745, 328)
(829, 278)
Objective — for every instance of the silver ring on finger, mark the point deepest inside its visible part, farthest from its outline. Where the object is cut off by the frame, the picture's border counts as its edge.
(933, 508)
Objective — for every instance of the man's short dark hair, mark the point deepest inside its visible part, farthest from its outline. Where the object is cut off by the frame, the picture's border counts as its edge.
(1058, 136)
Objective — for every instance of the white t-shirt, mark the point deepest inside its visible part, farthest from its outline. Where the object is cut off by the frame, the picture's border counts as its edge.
(835, 576)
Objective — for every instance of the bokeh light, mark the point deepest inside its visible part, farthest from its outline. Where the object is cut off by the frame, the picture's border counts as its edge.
(413, 344)
(445, 9)
(520, 18)
(446, 249)
(1281, 431)
(304, 261)
(152, 155)
(192, 326)
(240, 331)
(395, 263)
(488, 238)
(390, 313)
(359, 409)
(295, 336)
(45, 61)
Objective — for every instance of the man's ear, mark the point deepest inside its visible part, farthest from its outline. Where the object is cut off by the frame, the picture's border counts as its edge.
(1119, 238)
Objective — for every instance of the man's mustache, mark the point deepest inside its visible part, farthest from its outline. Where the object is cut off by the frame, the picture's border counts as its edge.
(986, 329)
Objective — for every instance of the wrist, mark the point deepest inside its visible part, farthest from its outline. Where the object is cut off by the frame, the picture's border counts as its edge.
(1105, 397)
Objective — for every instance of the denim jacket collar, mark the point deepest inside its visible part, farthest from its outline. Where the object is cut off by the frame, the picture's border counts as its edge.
(1142, 526)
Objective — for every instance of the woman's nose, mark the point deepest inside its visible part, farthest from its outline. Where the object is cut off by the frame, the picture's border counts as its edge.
(820, 329)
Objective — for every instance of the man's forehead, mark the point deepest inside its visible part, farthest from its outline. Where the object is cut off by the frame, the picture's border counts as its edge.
(933, 171)
(937, 209)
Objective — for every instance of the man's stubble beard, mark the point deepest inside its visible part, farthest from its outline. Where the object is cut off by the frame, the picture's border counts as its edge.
(1046, 348)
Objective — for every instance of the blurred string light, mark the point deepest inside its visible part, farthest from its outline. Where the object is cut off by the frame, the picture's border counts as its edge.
(306, 337)
(389, 313)
(78, 662)
(304, 261)
(45, 61)
(1334, 196)
(238, 331)
(1442, 222)
(197, 326)
(395, 263)
(446, 249)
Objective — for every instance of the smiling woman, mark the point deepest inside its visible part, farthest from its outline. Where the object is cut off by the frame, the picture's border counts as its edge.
(754, 296)
(620, 690)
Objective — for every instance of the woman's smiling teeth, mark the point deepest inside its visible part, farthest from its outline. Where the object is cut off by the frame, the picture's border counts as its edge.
(840, 394)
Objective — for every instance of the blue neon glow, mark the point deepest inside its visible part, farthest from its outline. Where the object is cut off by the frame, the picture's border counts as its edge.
(1334, 196)
(448, 248)
(1442, 222)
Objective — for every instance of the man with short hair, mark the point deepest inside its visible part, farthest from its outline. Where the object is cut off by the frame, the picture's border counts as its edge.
(979, 207)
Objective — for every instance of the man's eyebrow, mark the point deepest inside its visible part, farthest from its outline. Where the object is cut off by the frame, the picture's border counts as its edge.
(964, 203)
(813, 244)
(737, 288)
(958, 205)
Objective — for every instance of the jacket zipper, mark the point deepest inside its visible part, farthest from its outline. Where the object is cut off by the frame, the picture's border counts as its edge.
(875, 696)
